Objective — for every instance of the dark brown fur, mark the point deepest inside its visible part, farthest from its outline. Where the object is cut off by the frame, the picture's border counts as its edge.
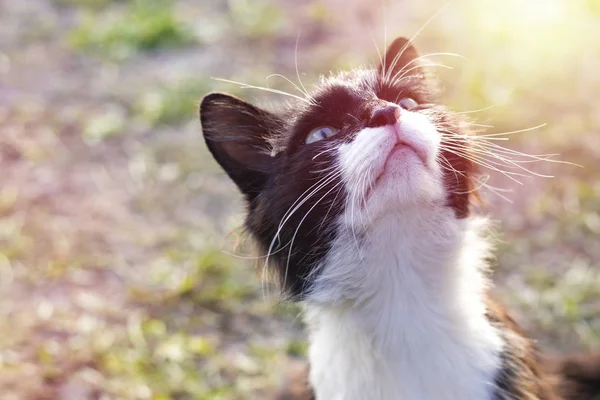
(521, 375)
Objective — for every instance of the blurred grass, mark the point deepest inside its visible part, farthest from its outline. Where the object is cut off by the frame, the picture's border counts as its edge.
(113, 216)
(256, 19)
(174, 104)
(94, 4)
(140, 25)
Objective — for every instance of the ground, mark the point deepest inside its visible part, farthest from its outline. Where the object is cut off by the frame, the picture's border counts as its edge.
(123, 271)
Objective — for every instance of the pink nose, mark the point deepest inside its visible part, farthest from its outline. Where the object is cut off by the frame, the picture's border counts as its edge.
(387, 115)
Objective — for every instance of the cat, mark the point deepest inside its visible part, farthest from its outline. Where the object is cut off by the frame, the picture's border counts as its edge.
(362, 195)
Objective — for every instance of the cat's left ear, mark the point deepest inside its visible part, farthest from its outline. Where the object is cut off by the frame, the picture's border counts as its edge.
(236, 134)
(400, 58)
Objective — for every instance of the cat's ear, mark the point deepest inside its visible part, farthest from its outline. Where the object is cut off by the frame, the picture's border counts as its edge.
(235, 133)
(400, 58)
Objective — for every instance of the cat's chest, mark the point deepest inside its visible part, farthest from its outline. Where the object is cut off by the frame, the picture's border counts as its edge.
(349, 364)
(403, 318)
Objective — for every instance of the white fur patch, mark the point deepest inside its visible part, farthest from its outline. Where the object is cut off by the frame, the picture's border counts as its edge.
(397, 311)
(400, 176)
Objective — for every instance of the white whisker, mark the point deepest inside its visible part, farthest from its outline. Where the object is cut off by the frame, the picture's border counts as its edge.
(312, 101)
(410, 42)
(265, 89)
(513, 132)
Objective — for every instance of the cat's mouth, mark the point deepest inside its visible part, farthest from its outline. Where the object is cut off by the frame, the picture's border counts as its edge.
(403, 145)
(399, 147)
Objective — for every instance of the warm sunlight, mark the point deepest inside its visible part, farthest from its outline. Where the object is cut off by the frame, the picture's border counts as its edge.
(534, 12)
(121, 205)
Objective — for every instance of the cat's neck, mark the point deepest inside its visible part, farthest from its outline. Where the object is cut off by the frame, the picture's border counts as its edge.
(399, 313)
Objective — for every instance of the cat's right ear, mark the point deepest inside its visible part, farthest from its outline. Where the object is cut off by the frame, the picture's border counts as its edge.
(400, 56)
(235, 133)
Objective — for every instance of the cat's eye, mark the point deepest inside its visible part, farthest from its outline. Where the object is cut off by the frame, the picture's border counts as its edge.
(408, 104)
(320, 133)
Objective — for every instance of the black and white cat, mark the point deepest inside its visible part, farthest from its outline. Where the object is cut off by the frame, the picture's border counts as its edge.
(361, 196)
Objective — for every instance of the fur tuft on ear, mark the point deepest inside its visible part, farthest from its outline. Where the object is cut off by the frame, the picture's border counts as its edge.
(399, 58)
(236, 134)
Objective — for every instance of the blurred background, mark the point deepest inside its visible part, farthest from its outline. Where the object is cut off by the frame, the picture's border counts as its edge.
(117, 229)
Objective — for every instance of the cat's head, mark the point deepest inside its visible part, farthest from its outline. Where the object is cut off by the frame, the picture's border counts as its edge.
(365, 144)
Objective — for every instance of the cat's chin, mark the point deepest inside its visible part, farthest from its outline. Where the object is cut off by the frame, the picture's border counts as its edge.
(405, 182)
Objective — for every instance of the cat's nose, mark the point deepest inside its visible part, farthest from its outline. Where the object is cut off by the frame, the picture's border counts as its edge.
(386, 115)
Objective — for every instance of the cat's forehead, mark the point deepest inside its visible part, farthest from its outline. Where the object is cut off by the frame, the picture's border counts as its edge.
(351, 89)
(339, 95)
(354, 85)
(334, 95)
